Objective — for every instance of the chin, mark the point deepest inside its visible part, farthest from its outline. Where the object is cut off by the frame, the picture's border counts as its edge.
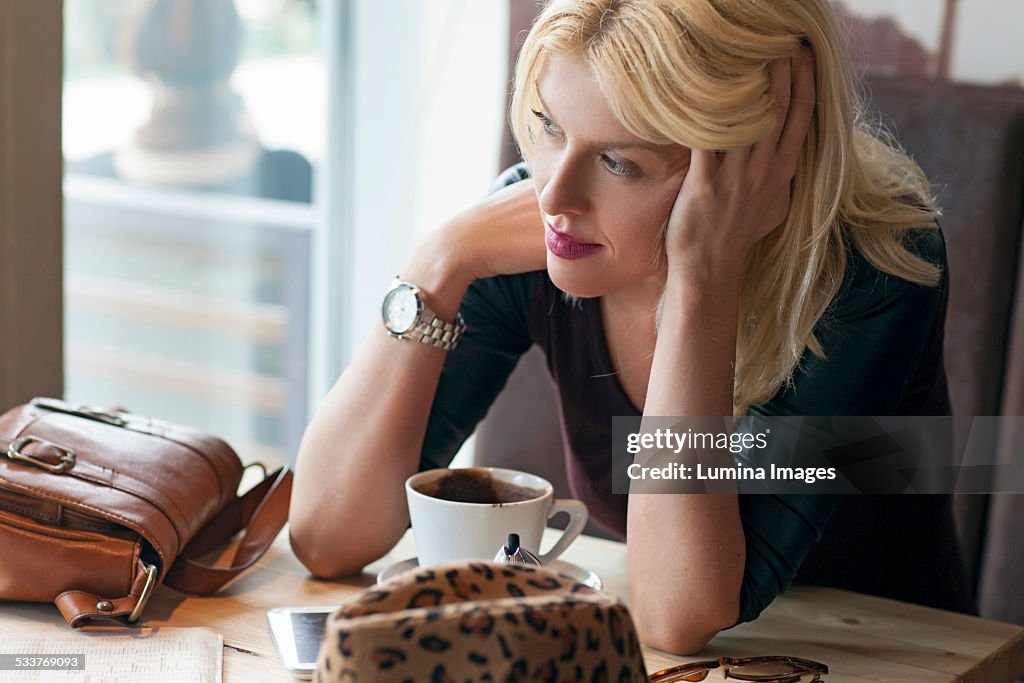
(576, 281)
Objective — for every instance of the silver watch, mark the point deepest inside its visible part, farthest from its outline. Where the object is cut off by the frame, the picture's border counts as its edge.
(407, 316)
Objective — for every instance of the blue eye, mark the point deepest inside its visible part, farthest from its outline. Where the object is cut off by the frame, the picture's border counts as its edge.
(616, 167)
(547, 124)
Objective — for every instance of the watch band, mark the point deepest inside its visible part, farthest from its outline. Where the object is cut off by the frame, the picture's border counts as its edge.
(432, 331)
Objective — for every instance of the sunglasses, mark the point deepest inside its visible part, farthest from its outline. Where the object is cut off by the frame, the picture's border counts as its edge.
(772, 669)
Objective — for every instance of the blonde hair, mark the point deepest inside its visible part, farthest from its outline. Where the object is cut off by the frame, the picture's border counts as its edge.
(696, 73)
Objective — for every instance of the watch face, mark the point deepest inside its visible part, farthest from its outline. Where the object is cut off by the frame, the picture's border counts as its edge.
(401, 309)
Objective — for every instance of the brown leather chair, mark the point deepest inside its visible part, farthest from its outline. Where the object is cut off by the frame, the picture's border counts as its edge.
(970, 142)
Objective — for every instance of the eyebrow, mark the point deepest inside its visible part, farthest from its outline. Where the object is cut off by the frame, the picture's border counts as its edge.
(624, 144)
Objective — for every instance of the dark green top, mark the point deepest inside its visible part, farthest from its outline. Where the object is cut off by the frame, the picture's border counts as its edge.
(883, 340)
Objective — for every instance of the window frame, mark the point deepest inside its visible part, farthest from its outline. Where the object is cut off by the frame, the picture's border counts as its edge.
(31, 277)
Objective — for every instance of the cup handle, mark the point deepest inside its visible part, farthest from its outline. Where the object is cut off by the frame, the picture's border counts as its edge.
(577, 520)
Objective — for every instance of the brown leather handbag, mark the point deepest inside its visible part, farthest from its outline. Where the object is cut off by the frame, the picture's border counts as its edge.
(98, 508)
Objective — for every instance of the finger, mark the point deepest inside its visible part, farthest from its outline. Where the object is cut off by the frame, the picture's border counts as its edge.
(781, 84)
(703, 164)
(801, 110)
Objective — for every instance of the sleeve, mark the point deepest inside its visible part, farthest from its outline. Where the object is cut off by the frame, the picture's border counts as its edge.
(497, 334)
(873, 336)
(496, 313)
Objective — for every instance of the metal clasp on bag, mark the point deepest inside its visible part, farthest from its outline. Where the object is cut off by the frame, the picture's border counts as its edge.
(67, 458)
(147, 591)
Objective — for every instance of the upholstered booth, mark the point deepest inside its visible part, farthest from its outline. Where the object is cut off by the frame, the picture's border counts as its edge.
(1001, 581)
(970, 142)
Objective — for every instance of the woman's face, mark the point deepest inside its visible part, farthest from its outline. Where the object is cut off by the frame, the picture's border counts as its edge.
(604, 194)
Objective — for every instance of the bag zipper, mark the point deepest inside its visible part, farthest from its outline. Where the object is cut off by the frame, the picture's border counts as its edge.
(84, 411)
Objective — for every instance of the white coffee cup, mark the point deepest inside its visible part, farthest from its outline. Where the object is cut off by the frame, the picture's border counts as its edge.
(447, 530)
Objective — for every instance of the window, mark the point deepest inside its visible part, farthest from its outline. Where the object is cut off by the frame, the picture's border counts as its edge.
(244, 177)
(191, 130)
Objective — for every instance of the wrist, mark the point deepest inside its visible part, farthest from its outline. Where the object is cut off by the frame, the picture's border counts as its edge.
(695, 291)
(705, 273)
(435, 268)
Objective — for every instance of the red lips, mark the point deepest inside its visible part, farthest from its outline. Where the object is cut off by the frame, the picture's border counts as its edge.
(564, 246)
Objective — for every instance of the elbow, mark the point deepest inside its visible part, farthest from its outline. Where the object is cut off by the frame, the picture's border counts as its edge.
(682, 642)
(682, 632)
(319, 557)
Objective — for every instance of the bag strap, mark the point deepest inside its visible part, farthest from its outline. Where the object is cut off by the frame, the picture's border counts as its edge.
(261, 512)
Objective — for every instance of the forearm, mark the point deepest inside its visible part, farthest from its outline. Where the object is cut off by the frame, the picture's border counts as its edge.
(686, 552)
(348, 506)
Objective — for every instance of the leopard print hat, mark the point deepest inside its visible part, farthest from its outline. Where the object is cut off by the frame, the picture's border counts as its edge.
(479, 621)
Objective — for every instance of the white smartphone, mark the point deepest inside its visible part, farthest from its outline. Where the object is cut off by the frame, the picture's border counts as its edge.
(297, 633)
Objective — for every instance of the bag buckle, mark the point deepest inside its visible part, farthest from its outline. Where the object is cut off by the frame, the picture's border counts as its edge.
(67, 458)
(147, 591)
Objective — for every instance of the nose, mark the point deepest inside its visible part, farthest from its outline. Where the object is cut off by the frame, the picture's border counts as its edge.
(564, 187)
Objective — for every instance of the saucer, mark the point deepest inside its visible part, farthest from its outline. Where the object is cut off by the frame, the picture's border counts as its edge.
(573, 571)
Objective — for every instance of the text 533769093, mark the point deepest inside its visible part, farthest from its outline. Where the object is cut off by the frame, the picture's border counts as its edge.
(42, 662)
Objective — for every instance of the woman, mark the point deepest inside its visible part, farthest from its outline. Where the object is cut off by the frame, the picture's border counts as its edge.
(733, 240)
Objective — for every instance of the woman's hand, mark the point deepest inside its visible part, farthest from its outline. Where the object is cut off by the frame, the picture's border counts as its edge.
(504, 233)
(501, 235)
(728, 201)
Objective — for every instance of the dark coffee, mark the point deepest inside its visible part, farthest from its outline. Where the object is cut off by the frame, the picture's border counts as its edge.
(477, 487)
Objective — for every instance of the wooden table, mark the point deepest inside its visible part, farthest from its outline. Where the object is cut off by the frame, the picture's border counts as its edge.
(861, 638)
